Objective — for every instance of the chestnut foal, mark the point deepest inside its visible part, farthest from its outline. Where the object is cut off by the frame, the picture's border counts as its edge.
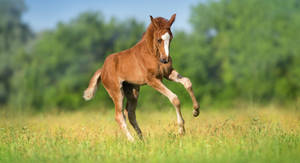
(148, 62)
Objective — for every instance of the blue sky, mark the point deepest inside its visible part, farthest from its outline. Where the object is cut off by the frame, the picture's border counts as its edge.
(44, 14)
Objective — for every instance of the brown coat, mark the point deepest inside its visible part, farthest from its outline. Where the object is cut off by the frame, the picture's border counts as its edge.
(148, 62)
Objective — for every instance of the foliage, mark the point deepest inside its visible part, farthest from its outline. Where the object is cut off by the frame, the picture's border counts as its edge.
(62, 61)
(13, 34)
(250, 48)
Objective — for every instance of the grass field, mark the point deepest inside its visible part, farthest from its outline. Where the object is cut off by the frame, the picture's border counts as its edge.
(237, 135)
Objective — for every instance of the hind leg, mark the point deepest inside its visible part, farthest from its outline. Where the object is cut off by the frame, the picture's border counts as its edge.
(132, 92)
(117, 95)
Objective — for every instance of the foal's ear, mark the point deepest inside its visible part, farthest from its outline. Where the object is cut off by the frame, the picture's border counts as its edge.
(153, 22)
(172, 19)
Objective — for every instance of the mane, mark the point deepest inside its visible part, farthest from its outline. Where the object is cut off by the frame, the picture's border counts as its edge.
(147, 36)
(149, 31)
(160, 21)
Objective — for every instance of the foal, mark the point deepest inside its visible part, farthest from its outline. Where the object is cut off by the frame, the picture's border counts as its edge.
(148, 62)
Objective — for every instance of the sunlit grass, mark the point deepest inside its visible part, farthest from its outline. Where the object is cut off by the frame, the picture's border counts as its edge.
(237, 135)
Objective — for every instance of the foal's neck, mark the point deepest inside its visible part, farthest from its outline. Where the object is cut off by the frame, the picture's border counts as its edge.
(147, 40)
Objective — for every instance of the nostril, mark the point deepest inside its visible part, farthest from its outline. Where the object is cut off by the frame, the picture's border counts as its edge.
(163, 61)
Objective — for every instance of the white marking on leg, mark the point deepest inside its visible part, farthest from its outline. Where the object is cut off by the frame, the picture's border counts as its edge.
(129, 136)
(166, 38)
(186, 82)
(172, 97)
(123, 122)
(179, 119)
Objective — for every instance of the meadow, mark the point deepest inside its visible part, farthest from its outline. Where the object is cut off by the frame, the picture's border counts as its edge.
(236, 53)
(250, 134)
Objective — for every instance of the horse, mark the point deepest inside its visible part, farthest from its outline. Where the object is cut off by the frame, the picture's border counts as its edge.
(147, 62)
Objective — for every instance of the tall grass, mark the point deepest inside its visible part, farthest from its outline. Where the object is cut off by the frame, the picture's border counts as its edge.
(237, 135)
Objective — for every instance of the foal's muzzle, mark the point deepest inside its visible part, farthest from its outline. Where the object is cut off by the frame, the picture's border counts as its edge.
(164, 61)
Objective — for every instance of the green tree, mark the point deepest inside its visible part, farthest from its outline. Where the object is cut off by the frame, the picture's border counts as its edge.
(252, 48)
(238, 50)
(63, 60)
(13, 34)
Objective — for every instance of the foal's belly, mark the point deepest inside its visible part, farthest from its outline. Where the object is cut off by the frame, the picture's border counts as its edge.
(136, 82)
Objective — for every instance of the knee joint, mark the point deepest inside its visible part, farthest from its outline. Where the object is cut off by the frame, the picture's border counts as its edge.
(175, 101)
(118, 117)
(187, 83)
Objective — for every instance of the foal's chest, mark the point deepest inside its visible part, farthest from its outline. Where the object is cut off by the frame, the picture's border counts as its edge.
(165, 69)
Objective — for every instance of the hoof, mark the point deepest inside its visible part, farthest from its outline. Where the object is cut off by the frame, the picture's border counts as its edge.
(196, 112)
(141, 137)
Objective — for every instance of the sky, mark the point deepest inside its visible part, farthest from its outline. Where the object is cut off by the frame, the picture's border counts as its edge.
(45, 14)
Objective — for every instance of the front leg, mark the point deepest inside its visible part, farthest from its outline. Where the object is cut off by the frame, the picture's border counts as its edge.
(175, 76)
(160, 87)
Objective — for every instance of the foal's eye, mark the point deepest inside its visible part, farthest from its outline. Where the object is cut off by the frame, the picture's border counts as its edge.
(159, 40)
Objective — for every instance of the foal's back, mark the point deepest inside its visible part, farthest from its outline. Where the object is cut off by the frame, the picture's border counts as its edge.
(128, 65)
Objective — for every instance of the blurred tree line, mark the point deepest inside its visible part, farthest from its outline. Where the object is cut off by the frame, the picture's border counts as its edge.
(237, 51)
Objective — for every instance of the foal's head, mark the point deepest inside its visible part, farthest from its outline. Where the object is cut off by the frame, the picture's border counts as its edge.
(162, 36)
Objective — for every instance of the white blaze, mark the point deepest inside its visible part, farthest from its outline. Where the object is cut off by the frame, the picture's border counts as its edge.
(166, 38)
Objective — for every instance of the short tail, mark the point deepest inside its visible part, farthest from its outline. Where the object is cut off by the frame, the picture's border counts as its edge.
(90, 91)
